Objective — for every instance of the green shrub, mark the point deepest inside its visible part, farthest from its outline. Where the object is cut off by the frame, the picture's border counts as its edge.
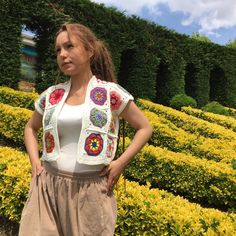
(216, 107)
(181, 100)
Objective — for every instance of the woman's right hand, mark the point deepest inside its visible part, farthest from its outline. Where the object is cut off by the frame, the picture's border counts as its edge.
(37, 168)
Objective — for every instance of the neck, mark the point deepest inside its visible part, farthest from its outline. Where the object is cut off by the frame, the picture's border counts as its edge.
(81, 80)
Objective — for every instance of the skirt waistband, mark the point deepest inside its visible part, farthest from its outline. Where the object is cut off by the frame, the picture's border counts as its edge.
(72, 175)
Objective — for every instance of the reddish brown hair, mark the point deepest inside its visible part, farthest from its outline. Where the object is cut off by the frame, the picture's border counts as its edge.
(101, 63)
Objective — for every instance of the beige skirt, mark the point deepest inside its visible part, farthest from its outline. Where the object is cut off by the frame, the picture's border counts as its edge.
(61, 203)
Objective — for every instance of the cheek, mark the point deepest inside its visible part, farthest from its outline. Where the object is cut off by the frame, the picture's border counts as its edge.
(58, 62)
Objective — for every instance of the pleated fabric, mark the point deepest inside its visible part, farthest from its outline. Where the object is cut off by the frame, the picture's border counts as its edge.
(61, 203)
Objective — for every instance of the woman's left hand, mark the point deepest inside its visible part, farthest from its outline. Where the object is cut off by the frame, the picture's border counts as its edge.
(113, 172)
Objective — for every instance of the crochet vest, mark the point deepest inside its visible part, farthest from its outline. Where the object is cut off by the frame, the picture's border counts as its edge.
(98, 138)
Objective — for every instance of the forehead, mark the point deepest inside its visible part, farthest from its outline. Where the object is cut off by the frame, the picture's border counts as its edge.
(62, 38)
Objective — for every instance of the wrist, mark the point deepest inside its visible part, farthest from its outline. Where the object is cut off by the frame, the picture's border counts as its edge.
(121, 162)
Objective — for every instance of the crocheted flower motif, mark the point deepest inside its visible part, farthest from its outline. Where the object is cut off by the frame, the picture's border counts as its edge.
(48, 116)
(93, 144)
(110, 147)
(98, 95)
(115, 99)
(56, 96)
(112, 126)
(49, 142)
(98, 118)
(42, 102)
(102, 81)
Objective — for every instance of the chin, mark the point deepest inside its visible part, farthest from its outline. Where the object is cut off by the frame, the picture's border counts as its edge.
(67, 72)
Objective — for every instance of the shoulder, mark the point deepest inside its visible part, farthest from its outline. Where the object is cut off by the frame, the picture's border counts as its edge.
(52, 88)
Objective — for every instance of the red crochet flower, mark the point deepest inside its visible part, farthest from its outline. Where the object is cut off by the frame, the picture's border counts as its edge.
(115, 99)
(93, 144)
(56, 96)
(49, 142)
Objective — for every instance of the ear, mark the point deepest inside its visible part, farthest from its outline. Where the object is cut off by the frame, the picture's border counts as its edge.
(91, 53)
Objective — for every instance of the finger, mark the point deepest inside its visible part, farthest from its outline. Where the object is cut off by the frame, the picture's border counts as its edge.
(105, 171)
(39, 170)
(109, 183)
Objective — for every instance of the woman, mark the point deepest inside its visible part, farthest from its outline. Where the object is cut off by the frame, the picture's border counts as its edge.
(71, 191)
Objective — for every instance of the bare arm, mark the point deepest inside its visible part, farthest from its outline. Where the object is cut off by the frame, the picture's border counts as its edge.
(138, 121)
(31, 141)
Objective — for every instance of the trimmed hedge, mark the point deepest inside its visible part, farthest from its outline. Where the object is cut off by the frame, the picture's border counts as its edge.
(167, 135)
(141, 210)
(225, 121)
(180, 100)
(188, 123)
(215, 107)
(13, 121)
(17, 98)
(206, 182)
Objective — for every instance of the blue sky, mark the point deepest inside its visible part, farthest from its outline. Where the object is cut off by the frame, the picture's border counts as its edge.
(214, 18)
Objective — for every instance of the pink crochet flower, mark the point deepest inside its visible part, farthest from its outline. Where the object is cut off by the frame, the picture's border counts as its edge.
(115, 99)
(56, 96)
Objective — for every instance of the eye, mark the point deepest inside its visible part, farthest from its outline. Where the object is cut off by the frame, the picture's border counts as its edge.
(57, 50)
(69, 45)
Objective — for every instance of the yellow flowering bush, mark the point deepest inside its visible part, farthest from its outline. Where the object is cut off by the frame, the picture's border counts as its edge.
(189, 123)
(145, 211)
(197, 179)
(167, 134)
(17, 98)
(14, 181)
(227, 122)
(141, 210)
(13, 121)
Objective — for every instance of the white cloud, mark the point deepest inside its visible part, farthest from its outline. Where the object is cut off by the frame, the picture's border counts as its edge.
(210, 15)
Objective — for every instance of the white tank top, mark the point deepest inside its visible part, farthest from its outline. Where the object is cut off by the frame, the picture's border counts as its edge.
(69, 124)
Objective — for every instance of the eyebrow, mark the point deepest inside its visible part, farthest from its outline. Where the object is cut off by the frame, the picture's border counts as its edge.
(67, 42)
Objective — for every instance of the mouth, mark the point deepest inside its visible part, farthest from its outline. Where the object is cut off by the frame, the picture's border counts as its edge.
(66, 63)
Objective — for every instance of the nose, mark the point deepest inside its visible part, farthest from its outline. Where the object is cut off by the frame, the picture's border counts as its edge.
(63, 53)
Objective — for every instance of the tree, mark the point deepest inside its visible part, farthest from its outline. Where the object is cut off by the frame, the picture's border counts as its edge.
(231, 44)
(200, 37)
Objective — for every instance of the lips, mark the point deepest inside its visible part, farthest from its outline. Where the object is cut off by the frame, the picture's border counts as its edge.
(66, 63)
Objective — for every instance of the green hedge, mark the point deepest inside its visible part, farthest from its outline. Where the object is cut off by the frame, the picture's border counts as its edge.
(150, 61)
(141, 210)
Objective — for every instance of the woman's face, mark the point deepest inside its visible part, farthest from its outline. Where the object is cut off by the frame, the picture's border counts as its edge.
(71, 59)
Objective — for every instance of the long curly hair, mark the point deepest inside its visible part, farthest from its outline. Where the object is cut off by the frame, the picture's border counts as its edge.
(101, 63)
